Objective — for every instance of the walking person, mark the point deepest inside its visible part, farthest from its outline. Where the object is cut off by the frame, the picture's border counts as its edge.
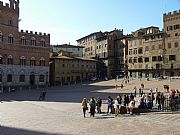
(84, 106)
(92, 105)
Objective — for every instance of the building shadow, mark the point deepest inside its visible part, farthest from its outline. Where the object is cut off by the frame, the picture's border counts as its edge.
(15, 131)
(72, 93)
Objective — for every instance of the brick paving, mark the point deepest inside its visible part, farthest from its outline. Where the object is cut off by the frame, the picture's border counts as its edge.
(61, 114)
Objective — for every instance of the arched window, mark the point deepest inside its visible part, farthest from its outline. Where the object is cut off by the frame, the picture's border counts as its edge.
(1, 37)
(1, 59)
(22, 60)
(33, 41)
(42, 62)
(33, 61)
(10, 60)
(41, 78)
(9, 78)
(23, 40)
(10, 39)
(42, 42)
(22, 78)
(140, 60)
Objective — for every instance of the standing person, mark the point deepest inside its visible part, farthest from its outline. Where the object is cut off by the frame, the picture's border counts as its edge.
(117, 106)
(110, 103)
(84, 106)
(142, 92)
(122, 86)
(92, 105)
(158, 101)
(139, 92)
(135, 91)
(142, 85)
(131, 106)
(43, 95)
(131, 97)
(98, 104)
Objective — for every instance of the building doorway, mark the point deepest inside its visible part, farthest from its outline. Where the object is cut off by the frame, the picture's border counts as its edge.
(32, 79)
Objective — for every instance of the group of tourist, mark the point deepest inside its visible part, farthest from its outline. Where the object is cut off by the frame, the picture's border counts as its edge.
(113, 106)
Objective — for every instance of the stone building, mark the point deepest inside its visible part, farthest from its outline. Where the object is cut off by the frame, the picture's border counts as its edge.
(24, 56)
(65, 69)
(171, 22)
(76, 51)
(107, 49)
(155, 53)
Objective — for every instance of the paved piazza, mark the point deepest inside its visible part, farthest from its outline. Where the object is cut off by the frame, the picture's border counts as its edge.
(22, 114)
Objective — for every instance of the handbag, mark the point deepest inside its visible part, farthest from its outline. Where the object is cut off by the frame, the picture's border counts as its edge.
(86, 108)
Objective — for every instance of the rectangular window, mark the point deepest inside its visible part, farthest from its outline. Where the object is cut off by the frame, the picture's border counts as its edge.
(159, 58)
(154, 58)
(130, 51)
(135, 50)
(176, 44)
(146, 59)
(130, 60)
(140, 50)
(135, 59)
(169, 45)
(172, 57)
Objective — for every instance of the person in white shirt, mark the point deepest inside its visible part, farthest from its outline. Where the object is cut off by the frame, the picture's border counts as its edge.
(117, 106)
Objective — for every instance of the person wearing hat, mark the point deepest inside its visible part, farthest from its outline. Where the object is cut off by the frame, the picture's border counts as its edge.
(84, 106)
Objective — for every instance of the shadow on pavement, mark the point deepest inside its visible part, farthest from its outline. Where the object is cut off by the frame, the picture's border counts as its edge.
(15, 131)
(72, 93)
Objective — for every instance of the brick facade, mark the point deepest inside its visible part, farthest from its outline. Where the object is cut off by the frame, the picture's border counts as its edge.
(22, 53)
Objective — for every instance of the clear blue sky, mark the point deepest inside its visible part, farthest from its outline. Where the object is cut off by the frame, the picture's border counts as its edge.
(69, 20)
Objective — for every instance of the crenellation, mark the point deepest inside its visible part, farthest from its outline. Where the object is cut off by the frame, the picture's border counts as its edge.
(174, 12)
(171, 13)
(1, 3)
(36, 33)
(7, 5)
